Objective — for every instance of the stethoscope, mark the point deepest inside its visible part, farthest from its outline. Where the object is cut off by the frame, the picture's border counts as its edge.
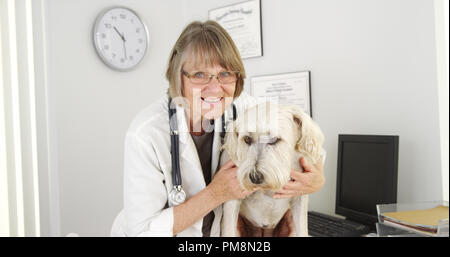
(177, 194)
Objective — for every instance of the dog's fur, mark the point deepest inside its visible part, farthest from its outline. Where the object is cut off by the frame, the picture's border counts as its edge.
(269, 164)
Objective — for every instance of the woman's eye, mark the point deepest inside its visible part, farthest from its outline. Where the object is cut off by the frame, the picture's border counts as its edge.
(274, 140)
(225, 74)
(248, 140)
(199, 75)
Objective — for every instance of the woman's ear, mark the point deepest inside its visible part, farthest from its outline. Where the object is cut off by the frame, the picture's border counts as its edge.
(231, 142)
(310, 138)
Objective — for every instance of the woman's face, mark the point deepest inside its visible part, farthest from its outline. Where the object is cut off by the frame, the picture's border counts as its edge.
(209, 100)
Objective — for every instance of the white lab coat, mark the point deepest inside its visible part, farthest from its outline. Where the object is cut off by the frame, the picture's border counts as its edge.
(148, 211)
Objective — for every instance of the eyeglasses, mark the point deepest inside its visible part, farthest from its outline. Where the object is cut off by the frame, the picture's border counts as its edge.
(202, 78)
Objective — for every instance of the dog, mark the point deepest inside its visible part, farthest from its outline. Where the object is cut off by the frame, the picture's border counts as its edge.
(266, 143)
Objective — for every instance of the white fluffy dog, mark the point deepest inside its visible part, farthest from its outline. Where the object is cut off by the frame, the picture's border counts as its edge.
(266, 143)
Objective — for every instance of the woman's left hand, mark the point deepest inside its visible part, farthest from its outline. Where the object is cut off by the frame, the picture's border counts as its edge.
(302, 183)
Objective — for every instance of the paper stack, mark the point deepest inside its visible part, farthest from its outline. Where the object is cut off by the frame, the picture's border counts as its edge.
(424, 221)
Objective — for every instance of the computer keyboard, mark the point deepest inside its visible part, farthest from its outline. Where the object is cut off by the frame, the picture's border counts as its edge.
(322, 225)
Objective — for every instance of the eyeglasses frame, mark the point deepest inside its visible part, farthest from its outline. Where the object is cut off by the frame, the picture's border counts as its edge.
(185, 73)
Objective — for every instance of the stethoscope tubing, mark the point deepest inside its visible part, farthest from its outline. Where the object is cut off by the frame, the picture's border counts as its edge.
(175, 154)
(174, 146)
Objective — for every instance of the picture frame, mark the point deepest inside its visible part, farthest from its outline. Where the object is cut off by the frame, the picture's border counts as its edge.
(285, 88)
(243, 22)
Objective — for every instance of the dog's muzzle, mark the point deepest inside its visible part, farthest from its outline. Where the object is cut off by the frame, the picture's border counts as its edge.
(256, 177)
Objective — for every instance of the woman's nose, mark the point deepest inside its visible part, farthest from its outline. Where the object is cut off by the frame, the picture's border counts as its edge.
(214, 85)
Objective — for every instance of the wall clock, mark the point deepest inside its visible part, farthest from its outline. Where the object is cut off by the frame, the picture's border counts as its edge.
(120, 38)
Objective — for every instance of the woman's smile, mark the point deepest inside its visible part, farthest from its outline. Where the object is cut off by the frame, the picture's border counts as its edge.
(211, 102)
(212, 99)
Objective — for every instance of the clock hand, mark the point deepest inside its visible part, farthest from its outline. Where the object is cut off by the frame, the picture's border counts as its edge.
(120, 35)
(125, 50)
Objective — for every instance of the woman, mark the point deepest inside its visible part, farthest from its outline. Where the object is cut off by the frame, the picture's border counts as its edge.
(205, 74)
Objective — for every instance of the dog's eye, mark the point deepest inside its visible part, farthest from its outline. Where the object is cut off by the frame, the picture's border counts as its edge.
(248, 140)
(274, 140)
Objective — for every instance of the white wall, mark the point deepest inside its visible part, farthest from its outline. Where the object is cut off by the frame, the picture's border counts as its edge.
(442, 47)
(373, 69)
(91, 106)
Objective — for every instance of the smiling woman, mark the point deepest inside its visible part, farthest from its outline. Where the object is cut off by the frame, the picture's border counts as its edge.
(162, 161)
(205, 51)
(205, 74)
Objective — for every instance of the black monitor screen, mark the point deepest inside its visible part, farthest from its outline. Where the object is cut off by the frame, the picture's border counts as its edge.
(367, 175)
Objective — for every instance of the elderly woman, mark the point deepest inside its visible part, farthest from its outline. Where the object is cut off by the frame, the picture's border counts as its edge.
(206, 75)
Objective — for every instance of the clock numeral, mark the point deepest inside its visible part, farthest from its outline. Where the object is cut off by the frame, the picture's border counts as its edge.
(132, 21)
(122, 60)
(138, 30)
(103, 35)
(130, 57)
(113, 55)
(140, 40)
(123, 16)
(106, 47)
(138, 50)
(114, 18)
(107, 25)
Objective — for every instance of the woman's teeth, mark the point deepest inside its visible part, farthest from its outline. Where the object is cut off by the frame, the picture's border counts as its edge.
(212, 99)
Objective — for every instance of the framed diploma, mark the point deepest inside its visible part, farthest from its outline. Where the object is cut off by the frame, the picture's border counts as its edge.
(243, 22)
(286, 88)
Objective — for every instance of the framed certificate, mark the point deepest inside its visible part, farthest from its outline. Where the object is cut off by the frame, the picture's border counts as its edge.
(286, 88)
(243, 22)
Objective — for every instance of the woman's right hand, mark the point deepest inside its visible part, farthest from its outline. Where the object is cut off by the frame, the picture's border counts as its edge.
(225, 185)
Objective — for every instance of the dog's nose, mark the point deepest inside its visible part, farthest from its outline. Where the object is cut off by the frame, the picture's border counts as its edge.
(256, 177)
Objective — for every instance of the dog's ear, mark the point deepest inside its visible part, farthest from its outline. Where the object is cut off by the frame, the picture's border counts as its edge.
(311, 136)
(231, 142)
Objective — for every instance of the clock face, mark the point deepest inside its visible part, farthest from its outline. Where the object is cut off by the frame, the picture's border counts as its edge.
(120, 38)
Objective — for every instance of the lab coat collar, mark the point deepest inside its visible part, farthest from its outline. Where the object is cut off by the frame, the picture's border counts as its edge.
(182, 125)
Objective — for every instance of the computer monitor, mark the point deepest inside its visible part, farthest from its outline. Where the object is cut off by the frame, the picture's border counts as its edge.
(366, 175)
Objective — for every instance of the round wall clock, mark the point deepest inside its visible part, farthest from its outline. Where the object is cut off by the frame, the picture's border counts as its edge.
(120, 38)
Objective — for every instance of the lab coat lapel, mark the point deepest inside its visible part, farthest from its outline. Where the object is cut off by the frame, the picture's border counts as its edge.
(191, 169)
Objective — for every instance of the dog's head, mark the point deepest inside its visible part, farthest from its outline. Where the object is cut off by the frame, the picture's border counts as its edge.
(266, 142)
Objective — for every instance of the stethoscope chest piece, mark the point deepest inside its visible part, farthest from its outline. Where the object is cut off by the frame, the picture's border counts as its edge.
(177, 195)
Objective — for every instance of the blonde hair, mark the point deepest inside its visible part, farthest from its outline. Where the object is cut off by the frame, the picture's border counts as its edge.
(203, 43)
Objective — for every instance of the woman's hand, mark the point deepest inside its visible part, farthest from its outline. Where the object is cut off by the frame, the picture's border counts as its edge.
(302, 183)
(225, 186)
